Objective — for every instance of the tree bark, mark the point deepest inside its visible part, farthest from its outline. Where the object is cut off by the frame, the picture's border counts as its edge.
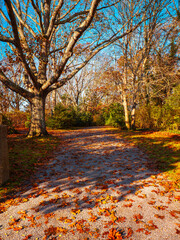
(133, 116)
(38, 125)
(126, 112)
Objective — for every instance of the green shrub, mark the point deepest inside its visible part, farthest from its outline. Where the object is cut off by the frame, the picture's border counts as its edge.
(67, 117)
(84, 119)
(160, 117)
(28, 122)
(63, 118)
(171, 110)
(114, 115)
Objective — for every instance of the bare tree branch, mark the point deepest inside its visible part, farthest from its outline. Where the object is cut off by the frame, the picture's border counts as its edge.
(76, 35)
(36, 8)
(23, 22)
(14, 87)
(78, 14)
(53, 18)
(68, 11)
(96, 49)
(7, 39)
(18, 43)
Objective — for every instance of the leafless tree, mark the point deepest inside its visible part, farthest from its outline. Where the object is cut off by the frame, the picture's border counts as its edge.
(29, 28)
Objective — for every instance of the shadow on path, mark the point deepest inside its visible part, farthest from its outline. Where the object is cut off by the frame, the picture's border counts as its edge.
(92, 164)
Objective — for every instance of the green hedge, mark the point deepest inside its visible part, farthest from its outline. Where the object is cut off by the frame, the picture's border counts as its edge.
(67, 117)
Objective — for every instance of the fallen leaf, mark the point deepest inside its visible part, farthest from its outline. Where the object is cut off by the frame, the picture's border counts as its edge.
(137, 218)
(114, 234)
(159, 216)
(140, 230)
(121, 219)
(93, 218)
(130, 232)
(75, 211)
(128, 205)
(27, 237)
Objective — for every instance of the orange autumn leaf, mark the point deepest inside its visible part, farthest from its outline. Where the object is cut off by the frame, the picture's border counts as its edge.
(150, 226)
(38, 217)
(77, 191)
(142, 196)
(62, 230)
(93, 218)
(54, 230)
(96, 235)
(85, 198)
(160, 207)
(174, 212)
(177, 197)
(152, 202)
(114, 234)
(23, 214)
(50, 231)
(18, 228)
(27, 237)
(140, 230)
(130, 232)
(14, 221)
(137, 218)
(68, 220)
(121, 219)
(129, 200)
(75, 211)
(62, 219)
(128, 205)
(159, 216)
(178, 224)
(57, 190)
(113, 218)
(147, 232)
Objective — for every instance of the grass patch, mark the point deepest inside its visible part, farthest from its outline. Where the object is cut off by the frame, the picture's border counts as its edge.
(24, 155)
(163, 148)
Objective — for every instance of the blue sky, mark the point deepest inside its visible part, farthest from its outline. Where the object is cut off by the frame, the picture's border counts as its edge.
(4, 45)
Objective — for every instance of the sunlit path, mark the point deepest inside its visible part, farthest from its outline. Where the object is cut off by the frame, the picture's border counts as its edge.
(98, 187)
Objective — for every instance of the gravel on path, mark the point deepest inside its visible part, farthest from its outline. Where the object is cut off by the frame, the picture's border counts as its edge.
(99, 186)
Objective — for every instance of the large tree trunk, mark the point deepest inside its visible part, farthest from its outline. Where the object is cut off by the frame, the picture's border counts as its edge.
(54, 99)
(38, 125)
(126, 112)
(133, 116)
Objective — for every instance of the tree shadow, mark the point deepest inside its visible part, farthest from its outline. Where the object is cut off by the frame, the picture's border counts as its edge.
(93, 165)
(162, 154)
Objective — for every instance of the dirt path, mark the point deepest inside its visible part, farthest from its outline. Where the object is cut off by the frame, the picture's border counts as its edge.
(98, 187)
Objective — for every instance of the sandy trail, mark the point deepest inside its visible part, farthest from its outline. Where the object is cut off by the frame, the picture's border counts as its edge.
(97, 187)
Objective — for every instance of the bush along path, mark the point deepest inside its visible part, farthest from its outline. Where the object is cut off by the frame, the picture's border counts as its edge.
(98, 187)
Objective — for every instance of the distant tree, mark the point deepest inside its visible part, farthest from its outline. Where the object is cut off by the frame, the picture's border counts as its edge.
(75, 88)
(34, 30)
(11, 100)
(135, 52)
